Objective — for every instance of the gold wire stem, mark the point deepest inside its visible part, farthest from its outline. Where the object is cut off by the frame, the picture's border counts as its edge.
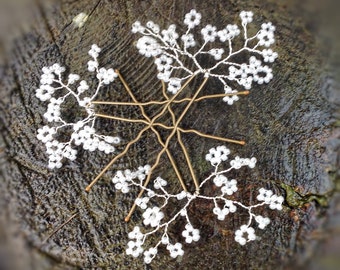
(121, 118)
(172, 161)
(185, 152)
(173, 118)
(211, 136)
(127, 218)
(88, 188)
(155, 102)
(191, 101)
(152, 102)
(244, 93)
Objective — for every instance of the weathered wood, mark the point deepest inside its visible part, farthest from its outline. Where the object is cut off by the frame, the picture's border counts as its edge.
(288, 125)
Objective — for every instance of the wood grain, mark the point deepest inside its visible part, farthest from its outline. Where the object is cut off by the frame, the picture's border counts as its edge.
(288, 125)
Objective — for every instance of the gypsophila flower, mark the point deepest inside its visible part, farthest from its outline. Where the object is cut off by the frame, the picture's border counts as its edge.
(69, 152)
(137, 27)
(53, 113)
(229, 187)
(45, 134)
(192, 19)
(152, 216)
(179, 57)
(159, 182)
(134, 248)
(246, 17)
(83, 131)
(220, 180)
(269, 27)
(163, 63)
(262, 221)
(188, 40)
(175, 250)
(154, 27)
(142, 202)
(266, 38)
(245, 234)
(220, 213)
(170, 36)
(263, 70)
(57, 69)
(276, 202)
(136, 234)
(264, 195)
(190, 234)
(95, 50)
(45, 92)
(148, 46)
(174, 85)
(269, 55)
(149, 255)
(120, 182)
(47, 78)
(231, 31)
(230, 99)
(106, 75)
(92, 65)
(83, 86)
(230, 206)
(217, 53)
(209, 33)
(217, 155)
(164, 43)
(72, 78)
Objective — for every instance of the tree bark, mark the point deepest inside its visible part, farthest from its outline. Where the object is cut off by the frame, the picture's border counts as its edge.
(290, 125)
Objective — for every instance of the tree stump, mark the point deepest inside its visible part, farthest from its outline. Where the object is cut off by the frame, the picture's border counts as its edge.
(288, 124)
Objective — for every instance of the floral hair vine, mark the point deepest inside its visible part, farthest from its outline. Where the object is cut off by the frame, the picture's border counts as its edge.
(171, 53)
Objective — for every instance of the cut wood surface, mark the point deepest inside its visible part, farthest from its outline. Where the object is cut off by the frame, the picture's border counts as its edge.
(49, 221)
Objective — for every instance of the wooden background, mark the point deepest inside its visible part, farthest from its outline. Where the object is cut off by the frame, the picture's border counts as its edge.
(290, 125)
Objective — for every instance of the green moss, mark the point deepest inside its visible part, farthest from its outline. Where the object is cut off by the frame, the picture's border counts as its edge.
(296, 200)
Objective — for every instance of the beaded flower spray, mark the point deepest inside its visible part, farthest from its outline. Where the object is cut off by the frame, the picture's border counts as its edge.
(171, 53)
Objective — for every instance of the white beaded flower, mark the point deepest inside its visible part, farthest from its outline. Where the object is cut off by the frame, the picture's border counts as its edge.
(276, 202)
(224, 205)
(221, 213)
(192, 19)
(262, 221)
(209, 33)
(183, 49)
(134, 248)
(229, 32)
(83, 131)
(229, 187)
(217, 155)
(45, 134)
(149, 255)
(152, 216)
(190, 234)
(245, 234)
(246, 16)
(175, 250)
(264, 195)
(136, 234)
(234, 59)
